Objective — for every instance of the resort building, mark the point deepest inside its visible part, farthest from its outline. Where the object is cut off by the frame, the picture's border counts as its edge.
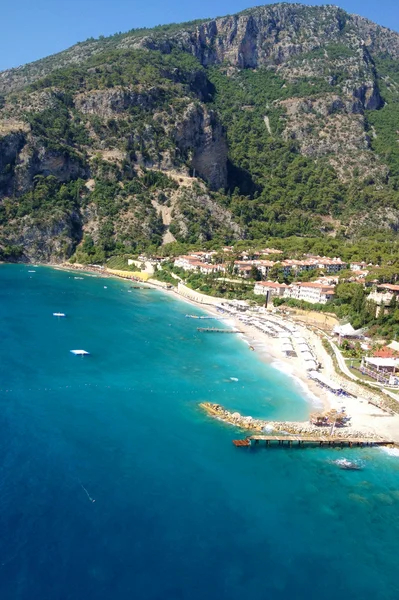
(243, 268)
(382, 300)
(329, 265)
(206, 268)
(315, 293)
(358, 266)
(190, 263)
(393, 289)
(264, 266)
(287, 267)
(275, 289)
(270, 251)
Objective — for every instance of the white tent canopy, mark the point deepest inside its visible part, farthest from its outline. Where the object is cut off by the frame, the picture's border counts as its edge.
(345, 330)
(381, 362)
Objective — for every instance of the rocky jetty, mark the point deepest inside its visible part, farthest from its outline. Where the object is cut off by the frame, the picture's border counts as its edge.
(248, 423)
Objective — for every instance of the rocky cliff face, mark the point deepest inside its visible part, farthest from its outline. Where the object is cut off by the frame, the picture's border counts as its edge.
(200, 132)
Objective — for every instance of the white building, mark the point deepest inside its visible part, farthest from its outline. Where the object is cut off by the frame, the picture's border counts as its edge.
(314, 293)
(358, 266)
(275, 289)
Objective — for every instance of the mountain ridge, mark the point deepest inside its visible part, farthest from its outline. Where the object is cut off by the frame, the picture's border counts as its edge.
(91, 46)
(279, 120)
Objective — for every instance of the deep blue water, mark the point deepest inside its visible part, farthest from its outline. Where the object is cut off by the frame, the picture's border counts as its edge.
(179, 512)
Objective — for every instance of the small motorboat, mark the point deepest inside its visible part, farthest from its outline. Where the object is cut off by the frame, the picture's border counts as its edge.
(80, 352)
(252, 348)
(59, 315)
(349, 465)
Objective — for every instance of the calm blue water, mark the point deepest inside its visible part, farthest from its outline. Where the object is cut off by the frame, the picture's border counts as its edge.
(179, 512)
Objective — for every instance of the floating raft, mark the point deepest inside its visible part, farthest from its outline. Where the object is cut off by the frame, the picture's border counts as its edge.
(215, 330)
(309, 441)
(241, 443)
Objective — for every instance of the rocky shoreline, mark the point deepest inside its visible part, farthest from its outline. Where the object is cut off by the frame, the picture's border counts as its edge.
(289, 427)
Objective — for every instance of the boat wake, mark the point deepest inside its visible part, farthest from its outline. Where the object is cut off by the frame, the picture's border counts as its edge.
(86, 492)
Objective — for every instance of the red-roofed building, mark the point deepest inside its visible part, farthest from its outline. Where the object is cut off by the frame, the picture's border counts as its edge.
(386, 352)
(275, 289)
(389, 286)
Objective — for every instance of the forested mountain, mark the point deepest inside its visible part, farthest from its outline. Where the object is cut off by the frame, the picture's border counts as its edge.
(282, 120)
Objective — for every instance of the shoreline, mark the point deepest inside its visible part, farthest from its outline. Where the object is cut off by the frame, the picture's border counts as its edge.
(366, 418)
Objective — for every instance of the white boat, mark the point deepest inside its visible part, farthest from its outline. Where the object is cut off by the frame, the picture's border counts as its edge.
(31, 271)
(80, 352)
(59, 315)
(349, 465)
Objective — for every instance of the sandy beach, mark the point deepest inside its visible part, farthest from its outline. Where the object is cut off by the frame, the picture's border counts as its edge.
(365, 417)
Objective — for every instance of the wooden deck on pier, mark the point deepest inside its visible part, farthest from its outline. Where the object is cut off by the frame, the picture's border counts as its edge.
(308, 441)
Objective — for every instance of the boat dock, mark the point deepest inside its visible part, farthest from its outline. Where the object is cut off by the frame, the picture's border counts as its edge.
(216, 330)
(308, 441)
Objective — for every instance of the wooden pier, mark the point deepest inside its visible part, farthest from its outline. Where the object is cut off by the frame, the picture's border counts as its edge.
(308, 442)
(215, 330)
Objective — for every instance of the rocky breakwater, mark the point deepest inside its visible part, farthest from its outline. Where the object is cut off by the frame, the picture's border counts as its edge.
(257, 426)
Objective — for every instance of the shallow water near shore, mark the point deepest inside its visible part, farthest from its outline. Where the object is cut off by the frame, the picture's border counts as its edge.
(179, 512)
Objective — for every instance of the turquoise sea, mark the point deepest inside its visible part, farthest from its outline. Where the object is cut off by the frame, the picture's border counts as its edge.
(179, 512)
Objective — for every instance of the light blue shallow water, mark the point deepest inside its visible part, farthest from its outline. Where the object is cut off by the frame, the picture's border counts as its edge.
(179, 512)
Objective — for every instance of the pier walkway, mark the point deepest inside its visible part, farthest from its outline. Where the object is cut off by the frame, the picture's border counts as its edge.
(309, 441)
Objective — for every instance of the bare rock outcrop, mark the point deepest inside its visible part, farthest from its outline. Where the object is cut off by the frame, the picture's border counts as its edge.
(200, 134)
